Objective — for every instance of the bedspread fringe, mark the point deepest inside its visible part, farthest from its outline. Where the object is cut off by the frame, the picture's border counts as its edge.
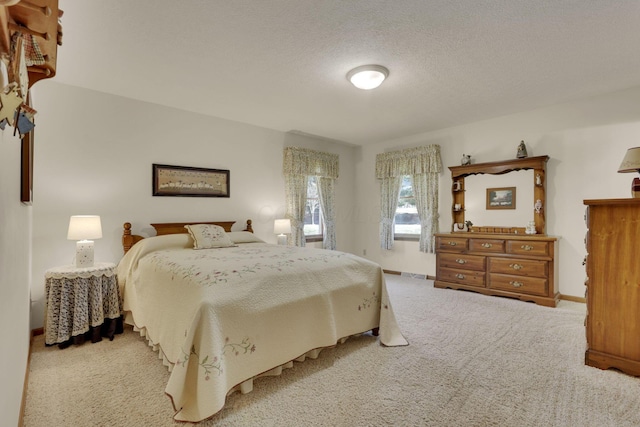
(155, 347)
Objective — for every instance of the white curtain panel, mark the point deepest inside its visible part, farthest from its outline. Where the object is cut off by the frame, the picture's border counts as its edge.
(295, 199)
(389, 193)
(326, 195)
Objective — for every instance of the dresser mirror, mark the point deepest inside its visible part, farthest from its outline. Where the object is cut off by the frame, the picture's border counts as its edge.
(524, 177)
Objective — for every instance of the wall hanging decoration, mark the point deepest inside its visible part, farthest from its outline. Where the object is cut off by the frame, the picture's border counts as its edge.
(501, 198)
(190, 181)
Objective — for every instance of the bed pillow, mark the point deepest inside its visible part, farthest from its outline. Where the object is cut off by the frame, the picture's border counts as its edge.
(244, 237)
(206, 236)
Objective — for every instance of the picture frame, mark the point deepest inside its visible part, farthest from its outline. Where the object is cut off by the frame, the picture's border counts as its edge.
(501, 198)
(187, 181)
(26, 169)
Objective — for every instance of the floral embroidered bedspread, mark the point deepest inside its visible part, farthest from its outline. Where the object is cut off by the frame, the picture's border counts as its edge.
(222, 316)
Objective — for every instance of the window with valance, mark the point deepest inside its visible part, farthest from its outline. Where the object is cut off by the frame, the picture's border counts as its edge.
(423, 165)
(299, 165)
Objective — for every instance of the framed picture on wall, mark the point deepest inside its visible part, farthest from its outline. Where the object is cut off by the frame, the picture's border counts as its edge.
(190, 181)
(501, 198)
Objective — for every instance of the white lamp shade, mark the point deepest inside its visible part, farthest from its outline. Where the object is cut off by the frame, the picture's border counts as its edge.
(84, 227)
(367, 76)
(631, 161)
(282, 226)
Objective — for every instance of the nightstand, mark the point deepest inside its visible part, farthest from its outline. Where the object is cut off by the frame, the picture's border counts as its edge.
(81, 304)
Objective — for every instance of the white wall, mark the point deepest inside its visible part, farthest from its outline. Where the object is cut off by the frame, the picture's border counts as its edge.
(586, 141)
(94, 153)
(15, 254)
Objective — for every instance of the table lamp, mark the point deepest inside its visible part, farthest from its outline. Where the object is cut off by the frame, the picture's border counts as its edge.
(631, 163)
(282, 227)
(83, 228)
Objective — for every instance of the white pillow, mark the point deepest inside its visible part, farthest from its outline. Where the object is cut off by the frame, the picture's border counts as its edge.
(206, 236)
(244, 237)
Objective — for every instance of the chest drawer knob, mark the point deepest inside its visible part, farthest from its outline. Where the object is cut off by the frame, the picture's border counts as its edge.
(461, 261)
(526, 247)
(486, 245)
(452, 243)
(516, 266)
(460, 276)
(516, 284)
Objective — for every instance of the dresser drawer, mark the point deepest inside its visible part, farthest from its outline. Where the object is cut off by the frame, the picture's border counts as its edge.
(519, 284)
(464, 277)
(526, 247)
(467, 262)
(520, 267)
(457, 244)
(486, 245)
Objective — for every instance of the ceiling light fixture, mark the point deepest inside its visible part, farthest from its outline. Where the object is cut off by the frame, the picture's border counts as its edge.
(367, 76)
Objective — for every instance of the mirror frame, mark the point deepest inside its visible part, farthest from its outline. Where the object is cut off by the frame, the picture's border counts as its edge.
(539, 166)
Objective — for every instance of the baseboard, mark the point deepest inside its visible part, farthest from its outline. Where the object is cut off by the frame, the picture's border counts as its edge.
(25, 387)
(573, 299)
(399, 273)
(563, 297)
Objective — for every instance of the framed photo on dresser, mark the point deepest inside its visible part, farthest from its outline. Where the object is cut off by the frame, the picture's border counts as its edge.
(501, 198)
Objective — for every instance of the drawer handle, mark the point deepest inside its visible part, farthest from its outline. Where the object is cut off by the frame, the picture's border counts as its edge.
(486, 245)
(461, 261)
(516, 284)
(526, 247)
(452, 243)
(460, 276)
(516, 266)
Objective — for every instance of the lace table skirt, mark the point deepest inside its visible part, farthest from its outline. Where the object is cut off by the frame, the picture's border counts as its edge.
(81, 304)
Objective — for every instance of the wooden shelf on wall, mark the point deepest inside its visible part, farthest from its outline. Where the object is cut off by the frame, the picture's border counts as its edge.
(39, 18)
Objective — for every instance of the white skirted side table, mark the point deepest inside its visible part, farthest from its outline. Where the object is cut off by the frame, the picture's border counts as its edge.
(81, 303)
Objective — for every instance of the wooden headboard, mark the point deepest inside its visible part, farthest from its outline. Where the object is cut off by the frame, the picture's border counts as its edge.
(129, 239)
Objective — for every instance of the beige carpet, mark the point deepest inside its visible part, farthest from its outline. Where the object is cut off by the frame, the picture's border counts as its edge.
(473, 361)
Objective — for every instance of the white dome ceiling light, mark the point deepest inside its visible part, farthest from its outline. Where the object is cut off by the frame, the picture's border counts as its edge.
(367, 76)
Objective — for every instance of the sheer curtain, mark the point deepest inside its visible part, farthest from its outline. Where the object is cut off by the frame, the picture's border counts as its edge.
(389, 190)
(424, 165)
(327, 204)
(298, 165)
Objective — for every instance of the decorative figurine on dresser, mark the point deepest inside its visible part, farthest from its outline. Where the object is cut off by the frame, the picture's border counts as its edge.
(613, 284)
(516, 262)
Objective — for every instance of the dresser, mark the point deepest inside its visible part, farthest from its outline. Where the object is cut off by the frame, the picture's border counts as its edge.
(508, 265)
(613, 284)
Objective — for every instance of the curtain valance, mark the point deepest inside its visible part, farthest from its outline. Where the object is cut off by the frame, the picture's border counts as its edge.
(412, 161)
(303, 161)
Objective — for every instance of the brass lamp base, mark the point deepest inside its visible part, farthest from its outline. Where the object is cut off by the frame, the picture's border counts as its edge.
(635, 188)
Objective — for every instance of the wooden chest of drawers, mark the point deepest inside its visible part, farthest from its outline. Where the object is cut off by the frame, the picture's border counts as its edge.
(516, 266)
(613, 284)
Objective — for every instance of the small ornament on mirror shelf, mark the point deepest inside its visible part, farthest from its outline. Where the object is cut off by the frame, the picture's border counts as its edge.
(522, 151)
(466, 159)
(531, 228)
(538, 206)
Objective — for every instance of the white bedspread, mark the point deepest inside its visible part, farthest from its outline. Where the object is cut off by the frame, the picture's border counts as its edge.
(223, 316)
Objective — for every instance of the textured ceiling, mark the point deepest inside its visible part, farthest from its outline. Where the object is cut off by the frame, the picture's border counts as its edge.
(281, 64)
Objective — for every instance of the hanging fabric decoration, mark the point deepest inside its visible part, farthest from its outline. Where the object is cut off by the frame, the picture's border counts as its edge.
(10, 100)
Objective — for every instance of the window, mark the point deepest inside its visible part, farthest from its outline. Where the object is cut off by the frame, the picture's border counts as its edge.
(312, 212)
(407, 221)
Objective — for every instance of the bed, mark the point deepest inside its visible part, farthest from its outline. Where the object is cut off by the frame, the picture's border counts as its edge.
(224, 313)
